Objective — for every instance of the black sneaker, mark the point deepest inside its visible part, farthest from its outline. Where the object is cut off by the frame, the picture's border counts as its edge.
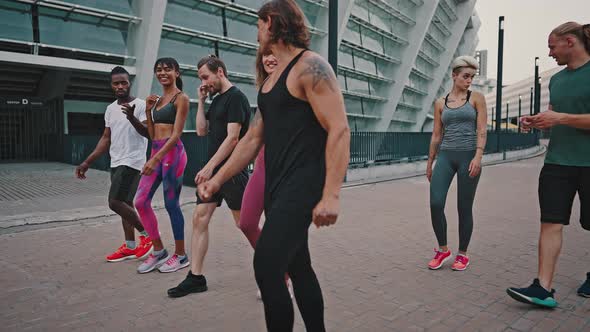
(534, 294)
(191, 284)
(584, 290)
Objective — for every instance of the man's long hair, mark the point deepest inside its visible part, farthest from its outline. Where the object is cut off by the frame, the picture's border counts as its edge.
(287, 23)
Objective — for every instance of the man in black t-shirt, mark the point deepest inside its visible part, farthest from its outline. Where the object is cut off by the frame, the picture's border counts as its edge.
(225, 123)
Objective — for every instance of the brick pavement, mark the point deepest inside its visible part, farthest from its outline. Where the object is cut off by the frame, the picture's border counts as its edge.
(371, 266)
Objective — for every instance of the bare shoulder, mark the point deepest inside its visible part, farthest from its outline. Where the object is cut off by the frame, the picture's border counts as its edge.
(184, 97)
(316, 72)
(438, 104)
(477, 96)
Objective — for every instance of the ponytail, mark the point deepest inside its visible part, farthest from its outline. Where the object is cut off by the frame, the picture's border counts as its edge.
(586, 37)
(581, 32)
(179, 83)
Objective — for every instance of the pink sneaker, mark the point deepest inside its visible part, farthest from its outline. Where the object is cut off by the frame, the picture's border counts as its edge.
(461, 263)
(439, 259)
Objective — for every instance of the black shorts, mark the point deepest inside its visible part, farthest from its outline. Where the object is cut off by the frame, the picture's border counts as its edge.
(558, 186)
(124, 181)
(232, 192)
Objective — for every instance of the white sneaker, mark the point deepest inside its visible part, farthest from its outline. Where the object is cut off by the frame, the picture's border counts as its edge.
(174, 263)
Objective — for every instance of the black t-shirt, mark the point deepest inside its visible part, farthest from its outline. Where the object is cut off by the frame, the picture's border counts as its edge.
(231, 106)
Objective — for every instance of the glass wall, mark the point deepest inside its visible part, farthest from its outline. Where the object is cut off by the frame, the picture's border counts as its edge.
(16, 21)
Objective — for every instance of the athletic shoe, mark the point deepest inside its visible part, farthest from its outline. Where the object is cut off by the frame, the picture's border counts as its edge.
(461, 263)
(191, 284)
(153, 262)
(584, 290)
(534, 294)
(439, 259)
(123, 253)
(174, 263)
(144, 248)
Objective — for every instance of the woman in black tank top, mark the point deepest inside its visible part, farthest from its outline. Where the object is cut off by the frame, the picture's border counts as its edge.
(166, 165)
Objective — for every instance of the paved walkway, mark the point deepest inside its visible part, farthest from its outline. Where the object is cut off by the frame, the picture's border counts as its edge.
(371, 266)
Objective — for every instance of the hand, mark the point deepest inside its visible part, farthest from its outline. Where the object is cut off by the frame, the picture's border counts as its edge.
(526, 123)
(429, 171)
(475, 167)
(149, 167)
(207, 189)
(151, 101)
(128, 110)
(203, 92)
(204, 175)
(326, 211)
(547, 119)
(81, 170)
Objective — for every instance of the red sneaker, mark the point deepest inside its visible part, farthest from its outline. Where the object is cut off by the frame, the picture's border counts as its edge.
(461, 263)
(121, 254)
(439, 259)
(144, 248)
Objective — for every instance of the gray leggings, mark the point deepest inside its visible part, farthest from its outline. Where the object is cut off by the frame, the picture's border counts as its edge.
(448, 163)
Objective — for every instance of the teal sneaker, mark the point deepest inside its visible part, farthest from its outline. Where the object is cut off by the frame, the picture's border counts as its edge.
(535, 294)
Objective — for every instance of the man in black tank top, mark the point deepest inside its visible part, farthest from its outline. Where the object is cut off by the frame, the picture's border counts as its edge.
(303, 125)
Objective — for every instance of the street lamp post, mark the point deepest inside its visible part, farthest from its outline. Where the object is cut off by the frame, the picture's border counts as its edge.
(499, 78)
(531, 105)
(493, 111)
(507, 107)
(333, 34)
(537, 86)
(519, 112)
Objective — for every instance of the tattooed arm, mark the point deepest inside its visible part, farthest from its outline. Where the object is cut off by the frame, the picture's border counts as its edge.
(437, 133)
(322, 90)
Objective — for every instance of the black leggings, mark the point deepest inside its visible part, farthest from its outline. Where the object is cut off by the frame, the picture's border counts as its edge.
(283, 248)
(447, 164)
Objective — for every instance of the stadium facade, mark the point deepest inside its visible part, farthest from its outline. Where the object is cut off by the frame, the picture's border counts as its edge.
(394, 55)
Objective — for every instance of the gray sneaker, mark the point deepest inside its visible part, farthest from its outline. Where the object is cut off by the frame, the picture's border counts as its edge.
(153, 262)
(174, 263)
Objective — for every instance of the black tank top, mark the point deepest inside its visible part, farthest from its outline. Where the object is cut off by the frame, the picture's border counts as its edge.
(295, 145)
(166, 114)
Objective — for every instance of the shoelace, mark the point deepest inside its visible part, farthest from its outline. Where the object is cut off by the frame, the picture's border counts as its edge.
(461, 259)
(172, 260)
(150, 259)
(121, 248)
(438, 254)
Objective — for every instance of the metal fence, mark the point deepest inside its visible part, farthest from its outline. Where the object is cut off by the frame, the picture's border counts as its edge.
(371, 147)
(365, 148)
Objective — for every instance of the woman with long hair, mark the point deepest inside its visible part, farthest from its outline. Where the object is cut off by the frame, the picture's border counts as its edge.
(460, 126)
(166, 116)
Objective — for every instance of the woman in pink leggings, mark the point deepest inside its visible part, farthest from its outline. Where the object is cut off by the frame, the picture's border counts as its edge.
(253, 200)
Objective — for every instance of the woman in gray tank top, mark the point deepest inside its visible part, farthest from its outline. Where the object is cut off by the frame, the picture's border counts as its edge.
(458, 140)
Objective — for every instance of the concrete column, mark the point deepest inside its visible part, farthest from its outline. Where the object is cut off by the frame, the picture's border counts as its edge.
(464, 13)
(144, 41)
(408, 58)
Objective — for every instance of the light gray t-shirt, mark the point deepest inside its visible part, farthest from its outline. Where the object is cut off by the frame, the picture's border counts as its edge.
(128, 147)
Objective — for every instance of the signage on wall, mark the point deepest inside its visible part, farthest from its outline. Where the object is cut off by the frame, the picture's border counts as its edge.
(20, 101)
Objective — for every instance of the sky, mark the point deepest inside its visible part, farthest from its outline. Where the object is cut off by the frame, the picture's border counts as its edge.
(527, 24)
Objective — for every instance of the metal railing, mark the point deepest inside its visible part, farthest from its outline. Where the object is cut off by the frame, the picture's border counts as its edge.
(370, 147)
(365, 148)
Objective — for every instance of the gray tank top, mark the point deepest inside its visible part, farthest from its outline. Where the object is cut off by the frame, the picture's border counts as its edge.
(459, 126)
